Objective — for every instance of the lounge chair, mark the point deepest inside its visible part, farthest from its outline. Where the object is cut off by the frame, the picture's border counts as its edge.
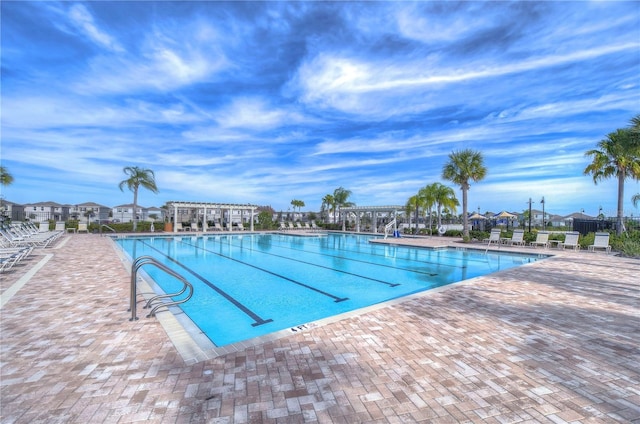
(542, 239)
(494, 237)
(314, 226)
(517, 239)
(283, 226)
(60, 226)
(570, 240)
(299, 226)
(601, 241)
(82, 226)
(291, 226)
(240, 226)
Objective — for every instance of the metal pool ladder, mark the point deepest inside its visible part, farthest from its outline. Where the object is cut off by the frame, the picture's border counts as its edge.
(155, 302)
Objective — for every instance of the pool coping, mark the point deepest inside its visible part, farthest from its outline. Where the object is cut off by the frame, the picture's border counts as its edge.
(194, 346)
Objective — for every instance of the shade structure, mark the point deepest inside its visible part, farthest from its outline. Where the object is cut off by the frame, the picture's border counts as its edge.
(505, 214)
(477, 216)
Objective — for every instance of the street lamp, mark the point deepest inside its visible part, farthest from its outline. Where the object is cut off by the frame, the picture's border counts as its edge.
(543, 215)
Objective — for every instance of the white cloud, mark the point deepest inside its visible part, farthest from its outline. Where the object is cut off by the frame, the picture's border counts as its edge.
(83, 20)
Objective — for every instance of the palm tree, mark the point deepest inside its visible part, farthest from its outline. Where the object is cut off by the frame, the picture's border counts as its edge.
(636, 199)
(5, 178)
(617, 155)
(427, 197)
(329, 203)
(138, 177)
(464, 165)
(444, 197)
(340, 196)
(413, 205)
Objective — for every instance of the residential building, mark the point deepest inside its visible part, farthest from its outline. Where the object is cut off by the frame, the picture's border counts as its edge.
(124, 213)
(45, 211)
(90, 212)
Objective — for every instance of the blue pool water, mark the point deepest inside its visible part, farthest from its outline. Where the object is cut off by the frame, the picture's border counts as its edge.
(250, 285)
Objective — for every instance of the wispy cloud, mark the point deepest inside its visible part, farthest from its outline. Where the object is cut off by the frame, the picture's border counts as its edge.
(268, 101)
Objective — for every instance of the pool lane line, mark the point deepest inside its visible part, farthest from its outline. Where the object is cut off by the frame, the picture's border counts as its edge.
(316, 265)
(249, 312)
(317, 290)
(430, 274)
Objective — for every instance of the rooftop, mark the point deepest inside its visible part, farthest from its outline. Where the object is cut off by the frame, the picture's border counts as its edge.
(553, 341)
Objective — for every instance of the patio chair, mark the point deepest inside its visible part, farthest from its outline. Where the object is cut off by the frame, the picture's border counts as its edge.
(494, 237)
(517, 239)
(570, 240)
(601, 241)
(542, 239)
(82, 226)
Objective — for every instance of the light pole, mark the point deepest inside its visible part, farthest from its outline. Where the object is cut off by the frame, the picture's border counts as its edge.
(543, 216)
(530, 202)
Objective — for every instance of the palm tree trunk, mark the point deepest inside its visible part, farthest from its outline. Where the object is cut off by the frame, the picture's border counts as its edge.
(620, 214)
(135, 208)
(465, 221)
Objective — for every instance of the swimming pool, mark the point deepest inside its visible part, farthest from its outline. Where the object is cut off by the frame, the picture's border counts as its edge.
(251, 285)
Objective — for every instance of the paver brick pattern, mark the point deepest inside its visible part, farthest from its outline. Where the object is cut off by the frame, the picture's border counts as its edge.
(552, 342)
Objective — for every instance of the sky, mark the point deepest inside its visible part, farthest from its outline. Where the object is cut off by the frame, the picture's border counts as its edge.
(269, 102)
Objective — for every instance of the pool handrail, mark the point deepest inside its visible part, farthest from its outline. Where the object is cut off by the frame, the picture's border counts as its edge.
(149, 260)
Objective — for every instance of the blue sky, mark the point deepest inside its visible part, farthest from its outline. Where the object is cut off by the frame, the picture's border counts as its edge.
(266, 102)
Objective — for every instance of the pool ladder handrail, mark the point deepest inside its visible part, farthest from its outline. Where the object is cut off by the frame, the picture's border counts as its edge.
(388, 227)
(149, 260)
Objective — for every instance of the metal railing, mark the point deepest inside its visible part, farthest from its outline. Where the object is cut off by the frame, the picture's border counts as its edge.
(158, 301)
(388, 227)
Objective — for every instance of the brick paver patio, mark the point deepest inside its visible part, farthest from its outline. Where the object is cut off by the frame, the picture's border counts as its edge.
(557, 341)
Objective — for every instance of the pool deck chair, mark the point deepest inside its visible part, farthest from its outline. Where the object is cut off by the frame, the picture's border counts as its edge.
(82, 227)
(542, 239)
(570, 240)
(517, 239)
(494, 237)
(600, 242)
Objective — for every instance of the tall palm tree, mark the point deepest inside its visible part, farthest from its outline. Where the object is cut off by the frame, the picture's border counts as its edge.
(5, 177)
(329, 203)
(636, 199)
(445, 197)
(427, 198)
(138, 177)
(413, 205)
(340, 196)
(617, 155)
(464, 165)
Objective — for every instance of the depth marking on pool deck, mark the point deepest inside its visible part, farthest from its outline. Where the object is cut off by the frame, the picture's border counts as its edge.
(249, 312)
(336, 298)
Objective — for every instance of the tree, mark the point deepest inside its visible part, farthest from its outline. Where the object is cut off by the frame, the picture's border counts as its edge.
(5, 177)
(464, 165)
(427, 197)
(297, 204)
(444, 197)
(329, 203)
(340, 197)
(617, 155)
(636, 199)
(138, 177)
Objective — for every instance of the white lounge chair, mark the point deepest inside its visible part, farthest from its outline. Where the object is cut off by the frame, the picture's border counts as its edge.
(494, 237)
(82, 226)
(179, 226)
(601, 241)
(570, 240)
(517, 239)
(542, 239)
